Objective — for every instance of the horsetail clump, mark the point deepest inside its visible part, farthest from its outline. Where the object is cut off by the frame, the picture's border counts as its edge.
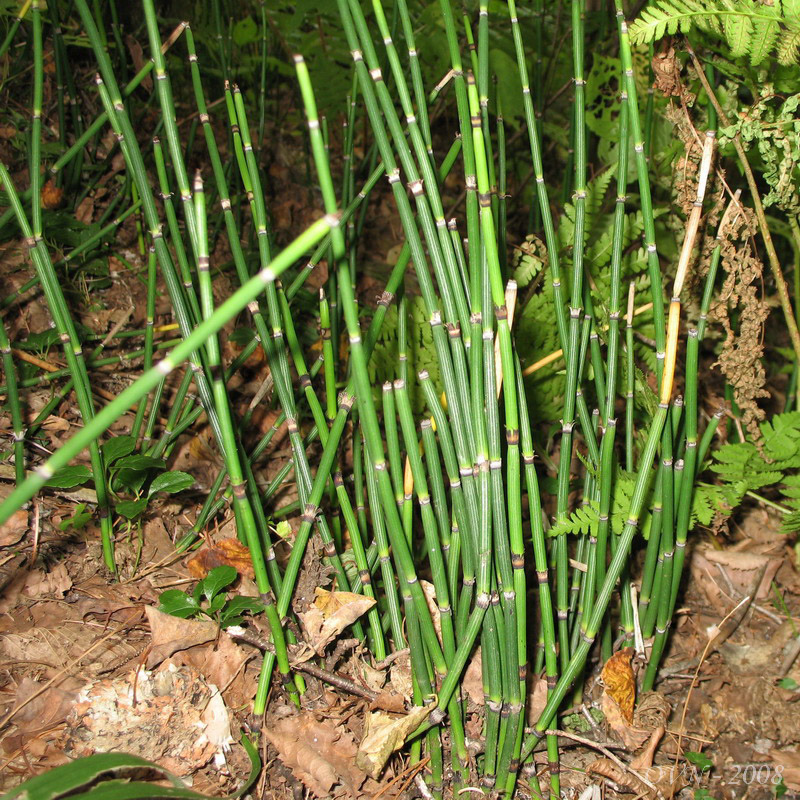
(439, 495)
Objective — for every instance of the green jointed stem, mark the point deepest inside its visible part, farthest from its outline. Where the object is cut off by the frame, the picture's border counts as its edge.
(376, 632)
(11, 390)
(72, 347)
(273, 341)
(12, 31)
(244, 511)
(642, 172)
(150, 312)
(614, 571)
(630, 381)
(369, 419)
(329, 363)
(387, 571)
(429, 524)
(149, 380)
(433, 469)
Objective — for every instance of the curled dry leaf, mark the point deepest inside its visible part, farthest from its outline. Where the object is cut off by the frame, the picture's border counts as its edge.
(618, 699)
(741, 567)
(222, 663)
(40, 711)
(383, 734)
(400, 673)
(318, 754)
(225, 553)
(52, 195)
(632, 737)
(57, 582)
(430, 598)
(645, 759)
(620, 683)
(373, 678)
(388, 701)
(652, 711)
(330, 614)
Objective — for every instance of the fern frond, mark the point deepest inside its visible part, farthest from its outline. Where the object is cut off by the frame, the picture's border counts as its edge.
(788, 47)
(738, 32)
(669, 16)
(791, 499)
(580, 521)
(765, 35)
(751, 28)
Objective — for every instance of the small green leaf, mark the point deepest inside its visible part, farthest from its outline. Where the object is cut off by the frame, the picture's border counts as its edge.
(178, 604)
(788, 683)
(130, 509)
(217, 580)
(78, 520)
(236, 606)
(216, 605)
(141, 463)
(245, 31)
(118, 447)
(699, 760)
(134, 470)
(241, 337)
(69, 477)
(171, 482)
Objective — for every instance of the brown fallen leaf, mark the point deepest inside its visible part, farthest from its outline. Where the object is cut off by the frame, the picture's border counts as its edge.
(620, 682)
(429, 591)
(537, 699)
(400, 674)
(227, 552)
(171, 634)
(14, 528)
(789, 760)
(645, 759)
(319, 754)
(52, 195)
(740, 568)
(56, 582)
(330, 614)
(632, 737)
(137, 54)
(388, 701)
(618, 698)
(373, 678)
(45, 710)
(383, 734)
(222, 664)
(472, 682)
(85, 210)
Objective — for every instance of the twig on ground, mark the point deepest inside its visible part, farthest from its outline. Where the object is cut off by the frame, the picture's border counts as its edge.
(608, 754)
(250, 637)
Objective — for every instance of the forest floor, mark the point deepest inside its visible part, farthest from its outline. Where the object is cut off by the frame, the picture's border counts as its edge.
(88, 665)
